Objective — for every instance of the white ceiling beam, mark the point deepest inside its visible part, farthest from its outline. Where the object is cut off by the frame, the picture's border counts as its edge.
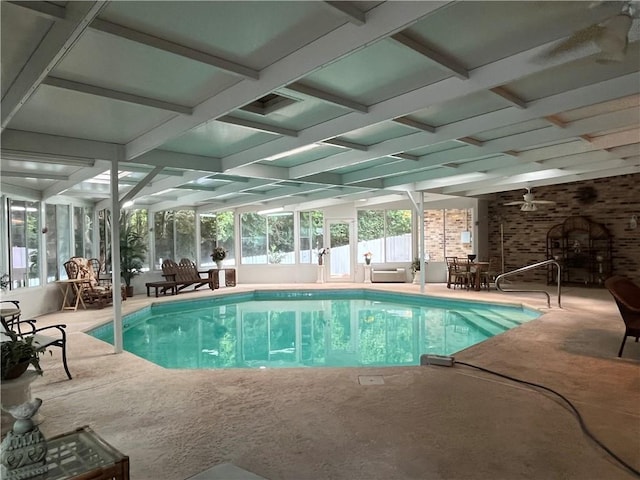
(256, 170)
(494, 175)
(259, 126)
(497, 120)
(509, 97)
(175, 48)
(630, 150)
(32, 143)
(19, 191)
(48, 10)
(485, 77)
(535, 137)
(405, 156)
(348, 11)
(627, 137)
(327, 97)
(20, 156)
(470, 141)
(382, 21)
(78, 176)
(32, 174)
(199, 197)
(447, 63)
(573, 174)
(116, 95)
(55, 44)
(415, 124)
(344, 144)
(131, 194)
(187, 161)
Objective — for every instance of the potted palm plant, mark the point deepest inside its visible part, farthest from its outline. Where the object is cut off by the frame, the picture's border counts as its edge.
(133, 251)
(17, 354)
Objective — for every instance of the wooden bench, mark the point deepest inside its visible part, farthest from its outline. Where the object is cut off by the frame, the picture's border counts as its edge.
(185, 274)
(165, 286)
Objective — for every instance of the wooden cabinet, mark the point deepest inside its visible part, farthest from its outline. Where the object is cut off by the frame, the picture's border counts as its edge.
(583, 249)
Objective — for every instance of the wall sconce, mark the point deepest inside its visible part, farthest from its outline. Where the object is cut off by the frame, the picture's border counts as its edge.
(633, 223)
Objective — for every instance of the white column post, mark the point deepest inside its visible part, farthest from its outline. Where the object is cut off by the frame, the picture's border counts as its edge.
(115, 257)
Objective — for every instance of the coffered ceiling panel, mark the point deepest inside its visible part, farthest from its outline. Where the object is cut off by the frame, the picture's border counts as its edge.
(67, 113)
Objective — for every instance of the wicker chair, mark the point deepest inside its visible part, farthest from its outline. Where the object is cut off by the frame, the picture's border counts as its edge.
(92, 292)
(627, 297)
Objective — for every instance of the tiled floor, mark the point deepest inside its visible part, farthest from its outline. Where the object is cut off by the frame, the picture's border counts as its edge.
(419, 423)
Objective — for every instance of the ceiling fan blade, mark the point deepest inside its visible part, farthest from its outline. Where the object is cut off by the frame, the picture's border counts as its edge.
(578, 39)
(514, 203)
(529, 207)
(545, 202)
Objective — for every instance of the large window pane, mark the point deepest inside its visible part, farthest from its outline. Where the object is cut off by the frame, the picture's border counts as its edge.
(280, 238)
(185, 224)
(385, 234)
(83, 232)
(253, 235)
(24, 241)
(63, 226)
(398, 236)
(104, 225)
(163, 236)
(217, 230)
(311, 235)
(53, 273)
(371, 234)
(137, 220)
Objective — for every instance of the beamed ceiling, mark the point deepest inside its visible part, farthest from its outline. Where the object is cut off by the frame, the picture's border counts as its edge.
(223, 105)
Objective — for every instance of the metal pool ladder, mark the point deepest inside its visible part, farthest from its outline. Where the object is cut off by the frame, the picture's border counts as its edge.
(531, 267)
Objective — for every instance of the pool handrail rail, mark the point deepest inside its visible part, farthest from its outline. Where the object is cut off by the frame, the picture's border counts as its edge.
(551, 261)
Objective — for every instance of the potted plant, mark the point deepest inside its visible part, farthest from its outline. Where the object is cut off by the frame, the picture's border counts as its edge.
(415, 268)
(218, 255)
(367, 258)
(17, 354)
(133, 251)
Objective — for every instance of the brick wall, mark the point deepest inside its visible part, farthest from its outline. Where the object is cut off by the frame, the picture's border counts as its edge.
(525, 233)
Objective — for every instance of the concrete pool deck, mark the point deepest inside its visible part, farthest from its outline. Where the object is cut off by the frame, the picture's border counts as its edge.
(421, 423)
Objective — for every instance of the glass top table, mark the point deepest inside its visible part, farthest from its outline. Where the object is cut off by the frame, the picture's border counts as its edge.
(83, 455)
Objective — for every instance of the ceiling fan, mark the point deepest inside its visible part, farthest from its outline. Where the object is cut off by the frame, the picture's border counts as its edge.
(610, 36)
(530, 204)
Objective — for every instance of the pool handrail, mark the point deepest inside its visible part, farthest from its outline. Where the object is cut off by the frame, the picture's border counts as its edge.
(531, 267)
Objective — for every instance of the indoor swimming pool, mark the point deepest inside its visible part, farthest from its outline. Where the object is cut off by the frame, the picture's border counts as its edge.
(307, 328)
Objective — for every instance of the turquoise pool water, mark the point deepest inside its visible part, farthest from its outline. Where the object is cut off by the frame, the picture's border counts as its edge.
(341, 328)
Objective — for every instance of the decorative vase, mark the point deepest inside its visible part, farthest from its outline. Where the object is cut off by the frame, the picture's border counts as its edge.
(367, 260)
(219, 264)
(129, 291)
(319, 259)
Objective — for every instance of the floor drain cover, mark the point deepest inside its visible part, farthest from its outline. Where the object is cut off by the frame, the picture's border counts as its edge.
(371, 380)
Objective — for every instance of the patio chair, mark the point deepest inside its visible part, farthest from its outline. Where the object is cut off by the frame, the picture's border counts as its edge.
(92, 292)
(458, 272)
(488, 276)
(627, 297)
(28, 328)
(11, 311)
(185, 274)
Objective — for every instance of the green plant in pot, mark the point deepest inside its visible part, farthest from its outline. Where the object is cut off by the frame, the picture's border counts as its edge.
(133, 250)
(415, 265)
(17, 354)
